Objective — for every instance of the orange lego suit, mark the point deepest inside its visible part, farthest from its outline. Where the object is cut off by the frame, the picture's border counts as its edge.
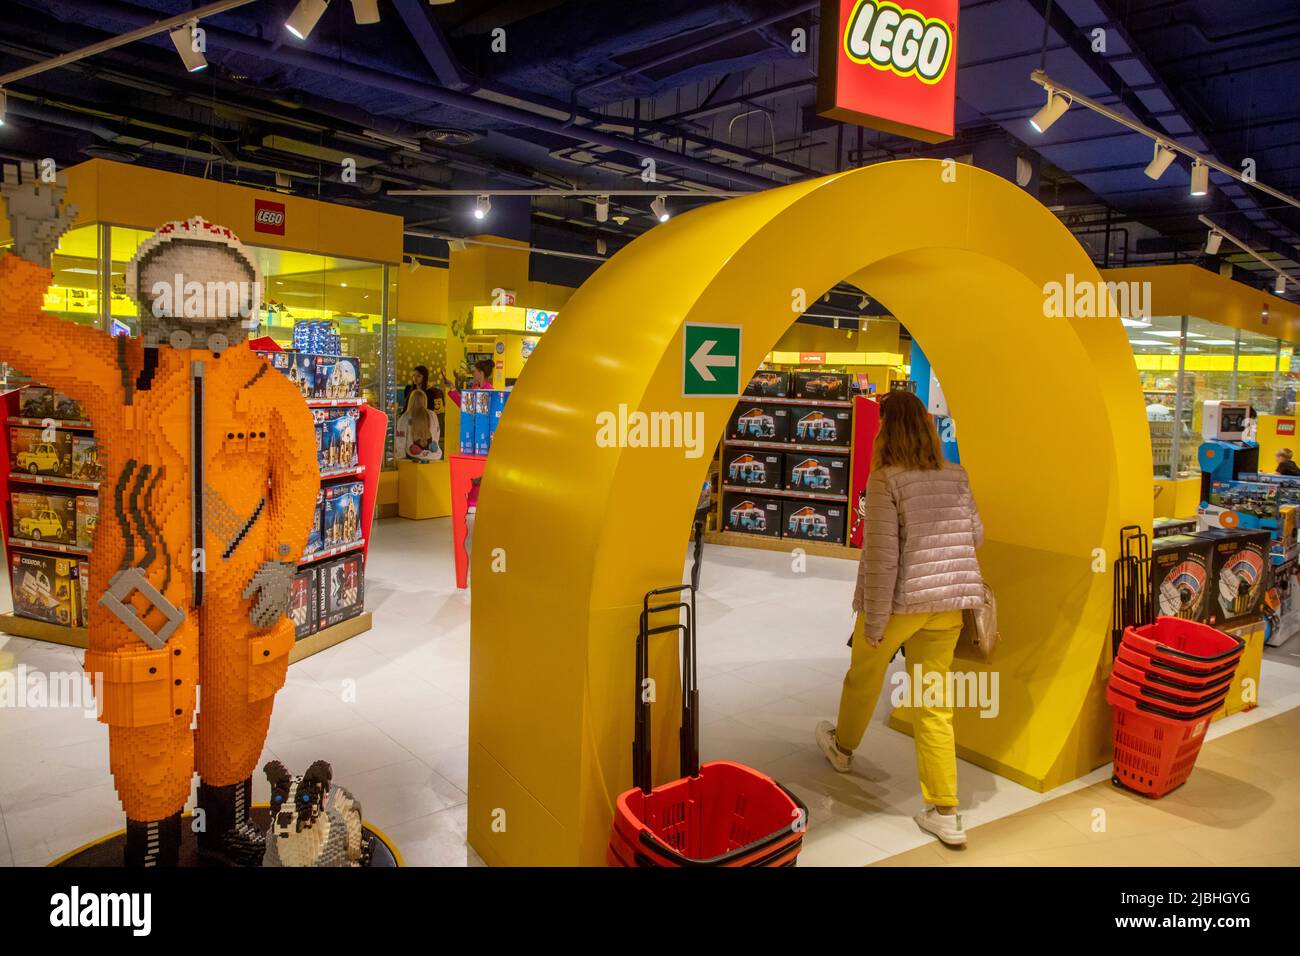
(259, 478)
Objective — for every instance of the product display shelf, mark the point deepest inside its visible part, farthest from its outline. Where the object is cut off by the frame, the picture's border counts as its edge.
(783, 493)
(787, 446)
(44, 422)
(16, 477)
(333, 552)
(820, 549)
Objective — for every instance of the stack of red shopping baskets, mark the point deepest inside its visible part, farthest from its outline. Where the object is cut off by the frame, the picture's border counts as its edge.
(1169, 679)
(719, 814)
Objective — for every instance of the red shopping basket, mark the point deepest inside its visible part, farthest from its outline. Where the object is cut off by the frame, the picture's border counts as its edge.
(1176, 672)
(1155, 750)
(1197, 647)
(1166, 702)
(719, 814)
(1182, 693)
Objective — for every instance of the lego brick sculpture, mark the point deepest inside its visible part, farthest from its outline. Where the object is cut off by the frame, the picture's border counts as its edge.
(209, 488)
(313, 823)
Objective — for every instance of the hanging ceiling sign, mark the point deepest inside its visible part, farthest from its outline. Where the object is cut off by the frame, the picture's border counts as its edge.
(890, 66)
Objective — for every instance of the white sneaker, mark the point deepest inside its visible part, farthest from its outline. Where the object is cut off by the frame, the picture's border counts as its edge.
(946, 826)
(841, 761)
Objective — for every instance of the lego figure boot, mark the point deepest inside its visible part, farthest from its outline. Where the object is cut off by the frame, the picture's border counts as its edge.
(151, 843)
(228, 835)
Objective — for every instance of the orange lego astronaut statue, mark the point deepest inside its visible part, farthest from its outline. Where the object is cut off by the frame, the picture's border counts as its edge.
(208, 496)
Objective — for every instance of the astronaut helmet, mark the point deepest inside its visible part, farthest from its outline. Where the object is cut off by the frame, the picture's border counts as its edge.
(196, 286)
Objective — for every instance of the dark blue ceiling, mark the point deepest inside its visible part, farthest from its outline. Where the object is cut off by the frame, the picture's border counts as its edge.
(586, 88)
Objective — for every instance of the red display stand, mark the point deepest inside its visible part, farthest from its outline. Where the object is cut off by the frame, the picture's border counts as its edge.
(866, 425)
(464, 469)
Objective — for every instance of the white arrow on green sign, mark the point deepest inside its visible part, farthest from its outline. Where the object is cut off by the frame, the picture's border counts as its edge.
(710, 360)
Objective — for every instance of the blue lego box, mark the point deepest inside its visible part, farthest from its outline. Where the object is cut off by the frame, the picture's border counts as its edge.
(341, 522)
(336, 438)
(1246, 505)
(315, 537)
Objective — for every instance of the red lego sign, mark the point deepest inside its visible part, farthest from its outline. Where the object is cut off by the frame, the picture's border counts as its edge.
(268, 217)
(890, 66)
(1286, 426)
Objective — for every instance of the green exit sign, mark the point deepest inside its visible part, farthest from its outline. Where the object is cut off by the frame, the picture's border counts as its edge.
(710, 360)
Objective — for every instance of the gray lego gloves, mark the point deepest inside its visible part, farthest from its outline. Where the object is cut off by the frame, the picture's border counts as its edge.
(37, 217)
(270, 586)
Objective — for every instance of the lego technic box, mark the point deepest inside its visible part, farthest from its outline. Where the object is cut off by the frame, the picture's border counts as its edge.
(822, 474)
(87, 517)
(752, 468)
(759, 423)
(821, 386)
(1240, 575)
(304, 603)
(50, 518)
(341, 589)
(341, 520)
(40, 451)
(814, 521)
(822, 426)
(336, 437)
(46, 587)
(766, 384)
(752, 515)
(1181, 576)
(86, 463)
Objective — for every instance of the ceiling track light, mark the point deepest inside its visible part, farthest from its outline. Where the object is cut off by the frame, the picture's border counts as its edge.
(1161, 160)
(187, 40)
(1279, 285)
(482, 206)
(305, 16)
(864, 302)
(4, 102)
(365, 11)
(1200, 179)
(1213, 242)
(602, 209)
(660, 208)
(1052, 111)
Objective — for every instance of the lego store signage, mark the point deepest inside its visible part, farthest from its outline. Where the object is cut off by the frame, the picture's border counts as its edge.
(268, 217)
(1286, 426)
(890, 66)
(812, 358)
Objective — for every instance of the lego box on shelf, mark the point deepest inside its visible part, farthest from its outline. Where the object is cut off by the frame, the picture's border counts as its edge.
(341, 589)
(45, 587)
(766, 384)
(337, 376)
(1240, 504)
(341, 521)
(50, 518)
(336, 437)
(814, 521)
(87, 512)
(41, 401)
(316, 534)
(83, 593)
(752, 467)
(822, 386)
(1181, 576)
(823, 474)
(1240, 575)
(752, 514)
(301, 370)
(822, 426)
(40, 451)
(304, 603)
(86, 464)
(759, 423)
(1164, 527)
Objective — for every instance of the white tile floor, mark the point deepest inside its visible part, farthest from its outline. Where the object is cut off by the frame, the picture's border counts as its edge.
(389, 711)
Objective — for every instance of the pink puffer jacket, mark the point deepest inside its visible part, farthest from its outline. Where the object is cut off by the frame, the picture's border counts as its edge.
(918, 550)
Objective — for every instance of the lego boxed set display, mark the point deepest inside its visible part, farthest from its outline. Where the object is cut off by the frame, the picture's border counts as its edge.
(45, 587)
(814, 521)
(823, 474)
(753, 515)
(1181, 576)
(766, 384)
(304, 603)
(316, 533)
(480, 414)
(87, 517)
(41, 401)
(341, 589)
(336, 437)
(1240, 575)
(821, 386)
(1240, 504)
(319, 376)
(341, 518)
(1164, 527)
(40, 451)
(822, 426)
(759, 423)
(86, 464)
(752, 468)
(44, 517)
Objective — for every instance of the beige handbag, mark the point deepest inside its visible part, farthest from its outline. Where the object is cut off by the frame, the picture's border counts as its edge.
(980, 625)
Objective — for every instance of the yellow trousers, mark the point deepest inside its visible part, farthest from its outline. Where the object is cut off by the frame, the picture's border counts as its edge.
(930, 640)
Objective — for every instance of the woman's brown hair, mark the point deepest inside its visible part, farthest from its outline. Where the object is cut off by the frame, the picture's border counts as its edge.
(907, 435)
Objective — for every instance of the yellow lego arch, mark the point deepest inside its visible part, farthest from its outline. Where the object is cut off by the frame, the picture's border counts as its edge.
(571, 535)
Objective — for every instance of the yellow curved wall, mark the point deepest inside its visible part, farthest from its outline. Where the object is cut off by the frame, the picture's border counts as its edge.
(579, 533)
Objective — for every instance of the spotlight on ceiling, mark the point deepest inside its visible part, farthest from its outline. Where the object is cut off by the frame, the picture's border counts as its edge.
(185, 39)
(1200, 178)
(1161, 160)
(660, 208)
(365, 11)
(864, 302)
(305, 16)
(602, 209)
(3, 103)
(1279, 285)
(482, 206)
(415, 264)
(1052, 111)
(601, 247)
(1213, 243)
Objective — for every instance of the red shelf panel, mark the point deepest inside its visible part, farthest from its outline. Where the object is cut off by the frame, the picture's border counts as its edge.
(55, 480)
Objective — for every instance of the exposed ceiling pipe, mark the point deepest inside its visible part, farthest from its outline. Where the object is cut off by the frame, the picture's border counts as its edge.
(362, 76)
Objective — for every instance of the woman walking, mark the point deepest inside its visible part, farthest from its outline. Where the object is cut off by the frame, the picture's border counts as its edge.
(918, 572)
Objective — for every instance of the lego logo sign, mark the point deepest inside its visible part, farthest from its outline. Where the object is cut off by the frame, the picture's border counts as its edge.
(1286, 426)
(268, 217)
(891, 66)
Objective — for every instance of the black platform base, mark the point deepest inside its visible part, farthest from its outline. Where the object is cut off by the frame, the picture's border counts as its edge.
(109, 850)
